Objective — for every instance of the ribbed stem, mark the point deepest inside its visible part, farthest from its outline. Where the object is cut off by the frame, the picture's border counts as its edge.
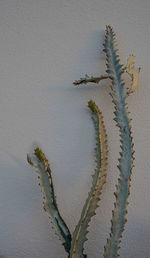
(114, 70)
(99, 178)
(40, 162)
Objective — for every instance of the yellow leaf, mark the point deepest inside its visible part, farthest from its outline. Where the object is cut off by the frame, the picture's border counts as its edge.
(133, 72)
(130, 62)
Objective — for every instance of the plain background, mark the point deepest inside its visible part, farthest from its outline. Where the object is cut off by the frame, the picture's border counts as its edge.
(44, 46)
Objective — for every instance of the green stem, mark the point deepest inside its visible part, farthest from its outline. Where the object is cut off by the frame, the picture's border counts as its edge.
(40, 162)
(114, 70)
(99, 178)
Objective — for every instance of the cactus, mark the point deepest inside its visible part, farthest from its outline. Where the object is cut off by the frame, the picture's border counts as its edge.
(40, 162)
(119, 93)
(99, 178)
(74, 244)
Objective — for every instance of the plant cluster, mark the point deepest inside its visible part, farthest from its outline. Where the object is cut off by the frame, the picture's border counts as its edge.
(74, 243)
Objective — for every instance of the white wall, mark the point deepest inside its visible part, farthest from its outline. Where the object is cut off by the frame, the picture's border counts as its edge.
(44, 46)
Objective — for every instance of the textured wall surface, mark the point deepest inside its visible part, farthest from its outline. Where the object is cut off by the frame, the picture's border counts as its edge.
(44, 46)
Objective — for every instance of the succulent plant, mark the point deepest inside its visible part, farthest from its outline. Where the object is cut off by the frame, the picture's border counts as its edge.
(40, 162)
(74, 243)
